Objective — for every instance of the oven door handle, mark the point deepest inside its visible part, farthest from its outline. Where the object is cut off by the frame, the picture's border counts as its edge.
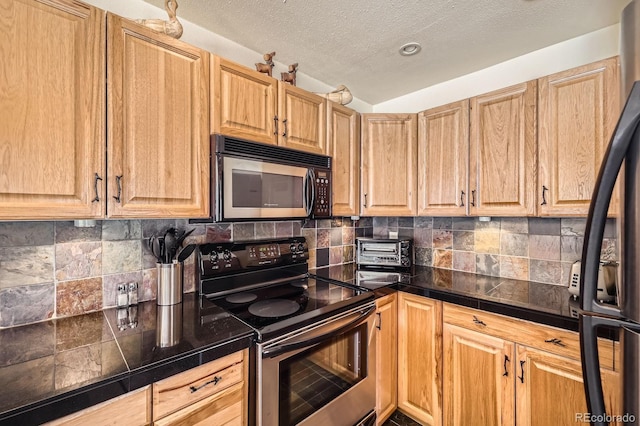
(280, 349)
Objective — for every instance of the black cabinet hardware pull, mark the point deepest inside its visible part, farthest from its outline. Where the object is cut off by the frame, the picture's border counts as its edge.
(473, 198)
(95, 186)
(284, 134)
(544, 199)
(379, 326)
(461, 198)
(479, 322)
(521, 369)
(506, 372)
(556, 342)
(275, 125)
(215, 381)
(365, 199)
(117, 197)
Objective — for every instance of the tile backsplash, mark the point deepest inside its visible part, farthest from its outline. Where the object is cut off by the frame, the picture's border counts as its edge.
(54, 269)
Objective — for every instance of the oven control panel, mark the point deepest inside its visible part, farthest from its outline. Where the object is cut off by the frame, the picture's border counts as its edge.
(215, 259)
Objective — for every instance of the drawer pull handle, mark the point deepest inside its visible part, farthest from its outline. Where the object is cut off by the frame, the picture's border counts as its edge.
(544, 199)
(461, 198)
(522, 370)
(95, 188)
(506, 372)
(119, 183)
(479, 322)
(473, 198)
(379, 326)
(556, 342)
(215, 381)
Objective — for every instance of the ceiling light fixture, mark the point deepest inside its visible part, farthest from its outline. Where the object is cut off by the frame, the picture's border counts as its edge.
(410, 49)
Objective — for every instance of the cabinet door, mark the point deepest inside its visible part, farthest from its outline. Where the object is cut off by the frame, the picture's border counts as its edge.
(478, 378)
(578, 109)
(420, 358)
(386, 357)
(550, 389)
(443, 160)
(158, 124)
(343, 141)
(243, 102)
(502, 176)
(389, 164)
(52, 77)
(302, 119)
(223, 408)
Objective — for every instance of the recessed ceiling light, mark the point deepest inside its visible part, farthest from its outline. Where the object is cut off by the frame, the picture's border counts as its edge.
(410, 49)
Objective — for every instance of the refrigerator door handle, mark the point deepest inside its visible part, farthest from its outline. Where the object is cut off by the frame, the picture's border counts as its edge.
(594, 231)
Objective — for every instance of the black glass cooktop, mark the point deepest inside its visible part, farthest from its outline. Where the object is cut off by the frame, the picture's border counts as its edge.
(278, 308)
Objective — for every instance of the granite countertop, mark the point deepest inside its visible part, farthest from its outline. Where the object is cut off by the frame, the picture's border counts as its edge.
(543, 303)
(53, 368)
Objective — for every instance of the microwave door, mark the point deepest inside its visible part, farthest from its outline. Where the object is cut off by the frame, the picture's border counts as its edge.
(253, 189)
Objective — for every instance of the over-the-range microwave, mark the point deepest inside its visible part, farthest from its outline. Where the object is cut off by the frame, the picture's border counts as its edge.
(256, 181)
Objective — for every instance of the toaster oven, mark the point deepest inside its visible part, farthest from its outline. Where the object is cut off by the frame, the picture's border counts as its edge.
(396, 253)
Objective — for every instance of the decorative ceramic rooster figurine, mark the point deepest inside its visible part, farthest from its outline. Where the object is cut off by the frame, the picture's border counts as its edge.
(172, 27)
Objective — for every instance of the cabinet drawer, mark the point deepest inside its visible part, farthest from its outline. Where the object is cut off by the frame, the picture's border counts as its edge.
(133, 408)
(558, 341)
(223, 408)
(184, 389)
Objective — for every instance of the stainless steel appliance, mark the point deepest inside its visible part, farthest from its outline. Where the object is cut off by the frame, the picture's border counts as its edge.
(607, 280)
(384, 252)
(376, 278)
(623, 150)
(255, 181)
(314, 359)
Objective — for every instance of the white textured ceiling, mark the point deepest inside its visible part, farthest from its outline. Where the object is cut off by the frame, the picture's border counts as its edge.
(356, 42)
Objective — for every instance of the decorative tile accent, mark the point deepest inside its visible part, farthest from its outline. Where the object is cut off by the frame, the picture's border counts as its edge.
(78, 260)
(423, 222)
(518, 225)
(514, 267)
(121, 256)
(26, 304)
(22, 234)
(540, 226)
(546, 247)
(423, 237)
(323, 238)
(310, 235)
(265, 230)
(573, 227)
(464, 261)
(442, 223)
(335, 255)
(336, 237)
(26, 265)
(570, 248)
(284, 229)
(442, 258)
(66, 232)
(442, 238)
(348, 236)
(487, 264)
(545, 271)
(79, 297)
(423, 256)
(243, 231)
(487, 241)
(514, 244)
(463, 224)
(464, 240)
(218, 233)
(113, 230)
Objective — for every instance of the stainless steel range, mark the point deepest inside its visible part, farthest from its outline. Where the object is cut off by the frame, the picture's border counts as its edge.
(314, 359)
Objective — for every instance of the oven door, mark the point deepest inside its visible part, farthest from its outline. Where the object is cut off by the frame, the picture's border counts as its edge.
(254, 189)
(321, 375)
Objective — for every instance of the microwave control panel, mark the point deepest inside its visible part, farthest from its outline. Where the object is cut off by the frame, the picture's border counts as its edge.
(322, 204)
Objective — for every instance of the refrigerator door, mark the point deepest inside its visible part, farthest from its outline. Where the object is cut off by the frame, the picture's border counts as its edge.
(624, 147)
(630, 341)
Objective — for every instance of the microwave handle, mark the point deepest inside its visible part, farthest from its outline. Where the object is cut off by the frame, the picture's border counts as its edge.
(309, 191)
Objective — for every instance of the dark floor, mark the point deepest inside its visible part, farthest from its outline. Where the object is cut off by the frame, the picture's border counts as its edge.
(399, 419)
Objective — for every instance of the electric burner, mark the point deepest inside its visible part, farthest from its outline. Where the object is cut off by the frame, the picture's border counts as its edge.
(273, 308)
(241, 297)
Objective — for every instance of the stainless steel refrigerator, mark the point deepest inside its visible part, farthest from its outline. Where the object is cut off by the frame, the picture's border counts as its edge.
(621, 159)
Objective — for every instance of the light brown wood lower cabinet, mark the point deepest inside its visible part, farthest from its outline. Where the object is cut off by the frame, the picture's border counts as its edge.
(386, 357)
(133, 408)
(420, 358)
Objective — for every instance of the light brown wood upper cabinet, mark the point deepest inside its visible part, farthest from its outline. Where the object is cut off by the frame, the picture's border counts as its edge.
(243, 102)
(389, 164)
(343, 143)
(577, 112)
(302, 119)
(502, 177)
(158, 124)
(52, 136)
(443, 160)
(251, 105)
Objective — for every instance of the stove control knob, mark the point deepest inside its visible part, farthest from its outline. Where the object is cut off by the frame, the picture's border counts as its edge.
(226, 255)
(292, 247)
(213, 257)
(300, 247)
